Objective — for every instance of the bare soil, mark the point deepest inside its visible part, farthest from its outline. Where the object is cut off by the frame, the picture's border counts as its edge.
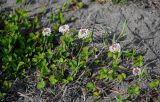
(143, 30)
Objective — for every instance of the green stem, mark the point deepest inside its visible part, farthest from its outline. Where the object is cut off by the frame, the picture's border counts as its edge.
(75, 71)
(122, 32)
(62, 71)
(80, 49)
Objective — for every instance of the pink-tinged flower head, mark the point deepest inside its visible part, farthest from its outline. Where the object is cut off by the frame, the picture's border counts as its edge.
(46, 32)
(136, 71)
(63, 29)
(115, 48)
(83, 33)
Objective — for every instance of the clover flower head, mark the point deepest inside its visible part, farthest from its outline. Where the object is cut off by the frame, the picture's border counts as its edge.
(64, 28)
(96, 56)
(136, 71)
(115, 48)
(83, 33)
(46, 32)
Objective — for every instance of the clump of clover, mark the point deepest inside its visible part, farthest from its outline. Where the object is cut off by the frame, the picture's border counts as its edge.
(61, 54)
(118, 65)
(25, 45)
(66, 60)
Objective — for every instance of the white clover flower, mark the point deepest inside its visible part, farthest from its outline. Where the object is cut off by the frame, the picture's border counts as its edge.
(96, 56)
(83, 33)
(136, 71)
(46, 32)
(64, 28)
(115, 48)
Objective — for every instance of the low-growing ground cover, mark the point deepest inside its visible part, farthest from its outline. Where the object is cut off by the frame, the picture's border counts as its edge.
(64, 63)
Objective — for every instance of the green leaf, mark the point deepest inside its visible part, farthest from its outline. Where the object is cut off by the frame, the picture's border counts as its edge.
(19, 1)
(7, 84)
(45, 70)
(61, 18)
(97, 94)
(9, 58)
(111, 75)
(55, 27)
(49, 54)
(130, 54)
(65, 6)
(70, 78)
(104, 70)
(84, 54)
(110, 54)
(34, 59)
(133, 90)
(42, 55)
(91, 86)
(2, 95)
(20, 64)
(88, 39)
(121, 76)
(53, 80)
(154, 84)
(61, 60)
(119, 98)
(65, 81)
(10, 47)
(139, 61)
(115, 56)
(26, 23)
(73, 64)
(53, 66)
(82, 63)
(115, 64)
(103, 73)
(41, 84)
(80, 5)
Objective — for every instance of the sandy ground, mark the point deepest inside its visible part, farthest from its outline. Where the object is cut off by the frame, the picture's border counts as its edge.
(143, 26)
